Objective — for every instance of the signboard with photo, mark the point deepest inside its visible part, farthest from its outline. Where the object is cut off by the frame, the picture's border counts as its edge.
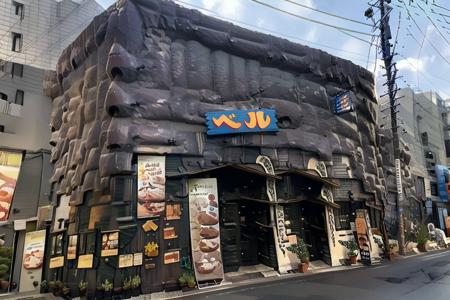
(33, 260)
(205, 233)
(9, 172)
(72, 248)
(110, 243)
(151, 186)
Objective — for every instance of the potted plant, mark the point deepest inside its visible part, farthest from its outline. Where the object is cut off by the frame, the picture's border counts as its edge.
(301, 250)
(5, 265)
(190, 280)
(65, 290)
(126, 286)
(352, 248)
(58, 288)
(182, 280)
(82, 287)
(44, 287)
(422, 238)
(107, 289)
(51, 286)
(135, 286)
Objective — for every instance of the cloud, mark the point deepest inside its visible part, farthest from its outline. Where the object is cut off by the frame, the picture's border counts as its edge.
(230, 8)
(415, 65)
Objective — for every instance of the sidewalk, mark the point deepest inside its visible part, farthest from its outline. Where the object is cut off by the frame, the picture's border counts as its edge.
(233, 281)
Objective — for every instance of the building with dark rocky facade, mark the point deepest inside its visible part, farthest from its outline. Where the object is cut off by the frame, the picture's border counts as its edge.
(142, 82)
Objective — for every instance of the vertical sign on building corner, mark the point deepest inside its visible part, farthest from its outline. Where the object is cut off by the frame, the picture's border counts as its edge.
(398, 180)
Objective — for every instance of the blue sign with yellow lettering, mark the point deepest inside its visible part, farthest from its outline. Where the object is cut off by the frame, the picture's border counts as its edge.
(343, 103)
(241, 121)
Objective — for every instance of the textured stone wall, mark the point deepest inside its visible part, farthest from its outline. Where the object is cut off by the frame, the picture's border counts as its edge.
(144, 73)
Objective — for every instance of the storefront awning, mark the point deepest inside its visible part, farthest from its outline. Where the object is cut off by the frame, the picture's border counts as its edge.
(248, 168)
(309, 174)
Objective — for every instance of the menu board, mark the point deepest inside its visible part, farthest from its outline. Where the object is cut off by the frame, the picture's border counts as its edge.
(363, 241)
(33, 259)
(151, 186)
(9, 172)
(56, 262)
(110, 243)
(205, 233)
(125, 260)
(85, 261)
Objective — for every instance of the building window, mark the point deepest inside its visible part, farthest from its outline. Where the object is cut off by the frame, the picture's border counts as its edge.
(18, 9)
(3, 96)
(434, 188)
(346, 214)
(19, 97)
(425, 138)
(17, 70)
(16, 42)
(2, 128)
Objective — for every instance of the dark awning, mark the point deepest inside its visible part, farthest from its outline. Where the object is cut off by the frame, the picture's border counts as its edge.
(291, 201)
(309, 174)
(248, 168)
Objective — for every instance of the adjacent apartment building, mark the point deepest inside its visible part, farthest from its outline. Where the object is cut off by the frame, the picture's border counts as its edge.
(33, 34)
(423, 126)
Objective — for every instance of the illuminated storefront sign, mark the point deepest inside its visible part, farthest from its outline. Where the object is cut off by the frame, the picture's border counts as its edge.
(241, 121)
(343, 103)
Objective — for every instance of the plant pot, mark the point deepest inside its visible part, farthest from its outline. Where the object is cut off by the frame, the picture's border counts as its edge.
(107, 295)
(353, 259)
(126, 294)
(191, 285)
(136, 292)
(99, 294)
(422, 247)
(303, 267)
(4, 284)
(391, 256)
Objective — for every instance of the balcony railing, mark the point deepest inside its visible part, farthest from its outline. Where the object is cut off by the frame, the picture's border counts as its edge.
(11, 109)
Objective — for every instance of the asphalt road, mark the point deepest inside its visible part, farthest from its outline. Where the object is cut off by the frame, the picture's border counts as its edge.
(423, 277)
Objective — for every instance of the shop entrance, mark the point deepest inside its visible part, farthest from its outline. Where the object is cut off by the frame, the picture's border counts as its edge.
(313, 230)
(246, 229)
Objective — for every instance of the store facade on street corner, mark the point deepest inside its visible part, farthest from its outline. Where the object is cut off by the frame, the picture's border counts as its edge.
(180, 139)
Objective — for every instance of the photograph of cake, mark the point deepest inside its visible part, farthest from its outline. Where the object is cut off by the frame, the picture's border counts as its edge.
(169, 233)
(33, 259)
(171, 257)
(173, 211)
(8, 176)
(72, 248)
(110, 243)
(151, 186)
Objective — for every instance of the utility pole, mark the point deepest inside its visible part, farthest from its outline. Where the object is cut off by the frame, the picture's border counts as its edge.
(391, 73)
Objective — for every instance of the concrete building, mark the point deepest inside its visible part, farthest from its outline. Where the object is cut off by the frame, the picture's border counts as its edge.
(422, 129)
(32, 36)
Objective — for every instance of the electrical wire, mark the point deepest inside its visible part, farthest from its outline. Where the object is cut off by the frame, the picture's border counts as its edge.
(434, 25)
(260, 28)
(31, 43)
(423, 34)
(311, 20)
(328, 13)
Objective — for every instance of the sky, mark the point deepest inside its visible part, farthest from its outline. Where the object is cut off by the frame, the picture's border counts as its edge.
(423, 50)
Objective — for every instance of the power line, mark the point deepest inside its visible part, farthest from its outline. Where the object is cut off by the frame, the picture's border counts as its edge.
(434, 25)
(328, 13)
(418, 27)
(311, 20)
(260, 28)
